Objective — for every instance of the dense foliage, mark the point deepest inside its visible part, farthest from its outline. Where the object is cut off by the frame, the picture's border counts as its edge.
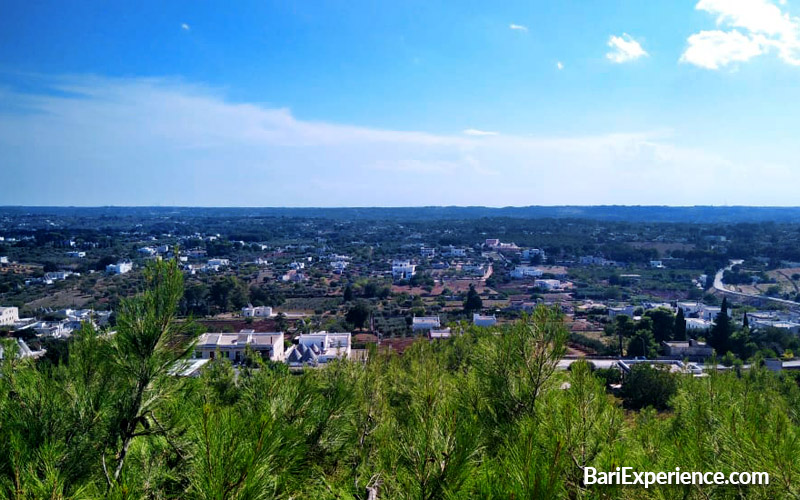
(482, 415)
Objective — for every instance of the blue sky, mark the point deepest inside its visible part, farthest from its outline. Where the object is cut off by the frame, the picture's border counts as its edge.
(399, 103)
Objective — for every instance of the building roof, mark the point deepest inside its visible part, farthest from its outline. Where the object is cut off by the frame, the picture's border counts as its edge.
(241, 339)
(425, 322)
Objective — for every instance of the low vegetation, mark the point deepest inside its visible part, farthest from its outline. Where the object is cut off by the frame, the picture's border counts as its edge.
(481, 415)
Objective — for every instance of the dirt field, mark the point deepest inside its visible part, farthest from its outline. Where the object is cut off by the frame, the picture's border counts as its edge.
(61, 299)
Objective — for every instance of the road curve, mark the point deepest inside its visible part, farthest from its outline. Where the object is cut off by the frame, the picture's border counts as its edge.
(720, 287)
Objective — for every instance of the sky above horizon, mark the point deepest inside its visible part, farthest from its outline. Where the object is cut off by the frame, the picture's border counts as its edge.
(355, 103)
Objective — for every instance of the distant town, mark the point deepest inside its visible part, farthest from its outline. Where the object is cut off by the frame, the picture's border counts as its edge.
(304, 290)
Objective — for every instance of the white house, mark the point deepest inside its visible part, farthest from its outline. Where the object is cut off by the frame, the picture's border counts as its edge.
(483, 320)
(319, 347)
(613, 312)
(420, 323)
(689, 349)
(8, 316)
(232, 345)
(547, 284)
(709, 313)
(530, 253)
(403, 269)
(216, 264)
(23, 351)
(690, 308)
(119, 268)
(439, 334)
(3, 260)
(147, 251)
(789, 326)
(698, 324)
(50, 277)
(257, 312)
(526, 272)
(427, 253)
(76, 255)
(339, 266)
(656, 264)
(456, 252)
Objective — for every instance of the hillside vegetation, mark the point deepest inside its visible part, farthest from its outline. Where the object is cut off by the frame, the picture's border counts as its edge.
(482, 415)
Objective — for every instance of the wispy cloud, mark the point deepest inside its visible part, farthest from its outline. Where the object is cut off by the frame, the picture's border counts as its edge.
(158, 141)
(185, 27)
(624, 49)
(517, 27)
(560, 65)
(478, 133)
(749, 28)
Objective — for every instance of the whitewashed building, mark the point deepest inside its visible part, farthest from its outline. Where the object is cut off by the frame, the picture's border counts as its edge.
(403, 270)
(483, 320)
(233, 345)
(423, 323)
(9, 316)
(319, 348)
(119, 268)
(526, 272)
(257, 312)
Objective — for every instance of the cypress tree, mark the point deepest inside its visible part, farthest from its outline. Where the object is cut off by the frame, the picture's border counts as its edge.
(679, 332)
(722, 330)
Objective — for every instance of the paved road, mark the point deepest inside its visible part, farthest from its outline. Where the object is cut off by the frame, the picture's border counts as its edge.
(720, 286)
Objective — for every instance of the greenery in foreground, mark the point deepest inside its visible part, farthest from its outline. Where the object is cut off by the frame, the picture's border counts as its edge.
(479, 416)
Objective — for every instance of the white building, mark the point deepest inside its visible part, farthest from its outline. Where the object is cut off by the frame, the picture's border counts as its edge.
(656, 264)
(76, 255)
(8, 316)
(50, 277)
(526, 272)
(613, 312)
(690, 308)
(789, 326)
(339, 266)
(319, 347)
(547, 284)
(698, 324)
(420, 323)
(233, 345)
(530, 253)
(456, 252)
(216, 264)
(439, 334)
(483, 320)
(23, 351)
(403, 270)
(688, 349)
(257, 312)
(427, 253)
(147, 251)
(119, 268)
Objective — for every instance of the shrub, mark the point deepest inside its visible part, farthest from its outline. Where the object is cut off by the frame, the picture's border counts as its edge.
(649, 385)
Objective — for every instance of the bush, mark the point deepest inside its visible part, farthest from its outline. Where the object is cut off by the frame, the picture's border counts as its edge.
(608, 375)
(649, 385)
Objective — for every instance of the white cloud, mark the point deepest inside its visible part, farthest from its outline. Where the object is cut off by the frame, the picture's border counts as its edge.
(714, 49)
(185, 27)
(751, 28)
(560, 65)
(163, 142)
(517, 27)
(624, 49)
(478, 133)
